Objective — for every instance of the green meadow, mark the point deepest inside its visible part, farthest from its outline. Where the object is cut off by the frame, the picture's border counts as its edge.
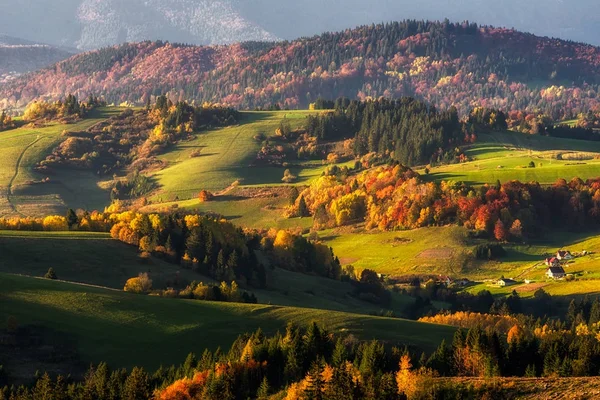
(507, 156)
(126, 329)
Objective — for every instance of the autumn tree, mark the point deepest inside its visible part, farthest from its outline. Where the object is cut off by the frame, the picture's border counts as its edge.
(516, 230)
(288, 177)
(500, 232)
(205, 195)
(140, 284)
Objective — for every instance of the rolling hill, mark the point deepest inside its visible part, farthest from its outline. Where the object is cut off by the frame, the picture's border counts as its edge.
(18, 56)
(103, 322)
(459, 65)
(89, 24)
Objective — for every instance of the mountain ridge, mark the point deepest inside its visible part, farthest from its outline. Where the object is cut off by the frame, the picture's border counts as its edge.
(447, 64)
(92, 24)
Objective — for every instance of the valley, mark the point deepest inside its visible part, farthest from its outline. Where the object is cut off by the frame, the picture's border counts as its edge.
(408, 210)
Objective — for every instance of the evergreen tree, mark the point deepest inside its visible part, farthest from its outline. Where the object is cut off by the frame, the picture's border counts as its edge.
(303, 208)
(595, 312)
(340, 353)
(293, 195)
(72, 219)
(315, 385)
(263, 390)
(43, 389)
(137, 385)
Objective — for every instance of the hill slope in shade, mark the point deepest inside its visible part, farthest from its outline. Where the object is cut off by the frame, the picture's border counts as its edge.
(446, 64)
(19, 55)
(103, 322)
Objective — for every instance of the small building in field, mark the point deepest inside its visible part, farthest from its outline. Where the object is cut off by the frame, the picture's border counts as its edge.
(506, 282)
(564, 255)
(556, 272)
(552, 261)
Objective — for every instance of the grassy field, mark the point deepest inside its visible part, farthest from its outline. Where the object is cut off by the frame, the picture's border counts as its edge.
(96, 259)
(506, 156)
(226, 155)
(92, 258)
(419, 251)
(125, 329)
(22, 149)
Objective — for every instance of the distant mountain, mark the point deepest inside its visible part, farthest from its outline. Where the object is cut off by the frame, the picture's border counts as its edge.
(91, 24)
(447, 64)
(19, 56)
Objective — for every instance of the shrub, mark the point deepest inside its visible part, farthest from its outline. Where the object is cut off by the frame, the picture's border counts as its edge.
(50, 274)
(141, 284)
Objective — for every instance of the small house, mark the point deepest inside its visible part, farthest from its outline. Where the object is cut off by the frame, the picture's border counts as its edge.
(552, 261)
(506, 282)
(556, 272)
(564, 255)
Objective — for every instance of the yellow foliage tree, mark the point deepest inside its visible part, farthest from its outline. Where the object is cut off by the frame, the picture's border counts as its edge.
(140, 284)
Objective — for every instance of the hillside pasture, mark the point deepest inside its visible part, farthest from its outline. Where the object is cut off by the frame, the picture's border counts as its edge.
(126, 329)
(506, 156)
(227, 155)
(21, 188)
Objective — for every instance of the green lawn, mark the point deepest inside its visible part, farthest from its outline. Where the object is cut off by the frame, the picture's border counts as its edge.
(506, 156)
(126, 329)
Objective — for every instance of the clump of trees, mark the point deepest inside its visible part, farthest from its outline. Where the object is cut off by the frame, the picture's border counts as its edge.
(6, 122)
(395, 197)
(70, 109)
(140, 284)
(406, 130)
(130, 141)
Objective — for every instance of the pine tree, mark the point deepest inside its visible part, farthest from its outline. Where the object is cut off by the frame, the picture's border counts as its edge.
(303, 208)
(263, 390)
(595, 312)
(340, 354)
(137, 385)
(72, 219)
(43, 389)
(315, 385)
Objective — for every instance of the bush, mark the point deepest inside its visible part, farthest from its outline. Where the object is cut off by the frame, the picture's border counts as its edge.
(50, 274)
(141, 284)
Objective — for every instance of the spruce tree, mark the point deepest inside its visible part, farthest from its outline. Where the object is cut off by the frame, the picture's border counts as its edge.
(137, 385)
(595, 312)
(303, 208)
(72, 219)
(263, 390)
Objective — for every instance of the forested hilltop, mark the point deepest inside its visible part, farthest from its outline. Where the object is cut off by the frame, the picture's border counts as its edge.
(444, 63)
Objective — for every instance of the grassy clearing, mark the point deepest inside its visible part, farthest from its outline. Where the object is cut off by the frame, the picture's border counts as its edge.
(126, 330)
(226, 155)
(505, 156)
(253, 212)
(419, 251)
